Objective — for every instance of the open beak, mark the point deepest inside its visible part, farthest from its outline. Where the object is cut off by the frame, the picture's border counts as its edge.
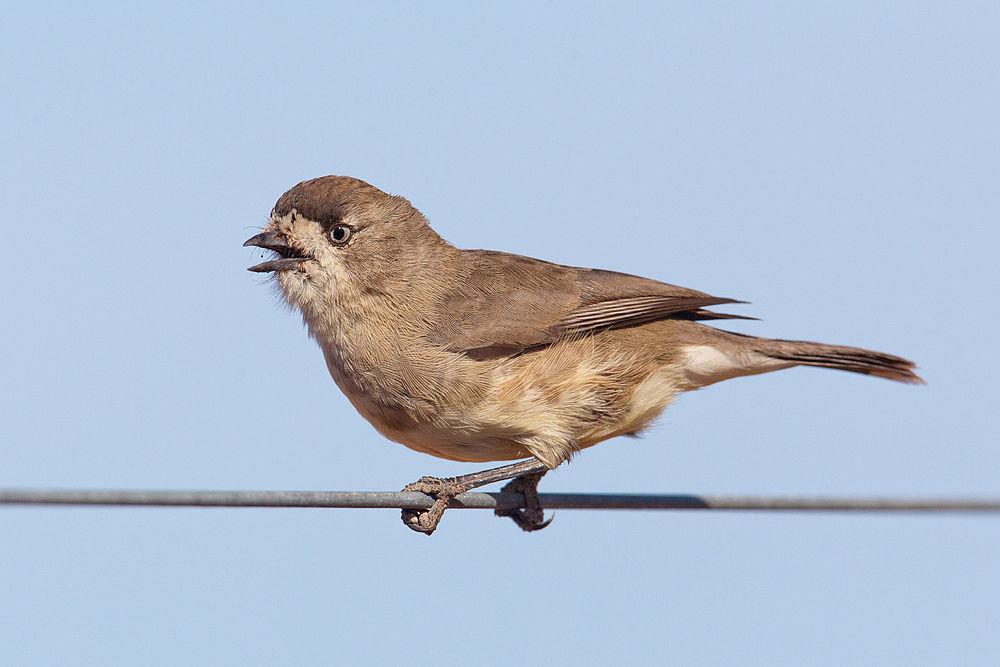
(290, 257)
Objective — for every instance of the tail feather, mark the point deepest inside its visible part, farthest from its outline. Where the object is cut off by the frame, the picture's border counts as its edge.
(841, 357)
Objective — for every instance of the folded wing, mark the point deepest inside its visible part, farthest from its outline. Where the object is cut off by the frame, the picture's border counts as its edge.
(502, 303)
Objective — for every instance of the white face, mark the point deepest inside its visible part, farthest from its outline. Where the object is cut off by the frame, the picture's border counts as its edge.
(313, 282)
(348, 266)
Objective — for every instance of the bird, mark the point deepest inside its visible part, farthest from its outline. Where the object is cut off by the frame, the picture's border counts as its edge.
(486, 356)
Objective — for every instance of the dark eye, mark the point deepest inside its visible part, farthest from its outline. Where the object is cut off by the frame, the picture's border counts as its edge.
(340, 234)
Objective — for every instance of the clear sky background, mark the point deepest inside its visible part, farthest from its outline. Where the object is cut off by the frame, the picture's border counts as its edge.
(838, 165)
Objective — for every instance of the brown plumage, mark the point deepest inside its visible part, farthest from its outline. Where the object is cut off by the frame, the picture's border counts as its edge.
(476, 355)
(507, 302)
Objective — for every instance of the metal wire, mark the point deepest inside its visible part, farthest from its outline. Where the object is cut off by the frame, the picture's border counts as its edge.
(417, 501)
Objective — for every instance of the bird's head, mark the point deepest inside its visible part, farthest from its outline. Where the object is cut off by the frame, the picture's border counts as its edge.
(335, 236)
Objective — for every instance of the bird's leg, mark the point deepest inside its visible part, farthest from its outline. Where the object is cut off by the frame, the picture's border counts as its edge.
(444, 489)
(532, 517)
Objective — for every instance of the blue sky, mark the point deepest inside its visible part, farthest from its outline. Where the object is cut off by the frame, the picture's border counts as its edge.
(834, 164)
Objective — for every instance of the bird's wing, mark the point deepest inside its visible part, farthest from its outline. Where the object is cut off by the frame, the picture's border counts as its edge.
(503, 303)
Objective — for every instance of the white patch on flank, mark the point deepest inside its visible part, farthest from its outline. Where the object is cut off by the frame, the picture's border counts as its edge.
(652, 395)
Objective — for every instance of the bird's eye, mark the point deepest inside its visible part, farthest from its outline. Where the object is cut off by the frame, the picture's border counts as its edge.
(340, 234)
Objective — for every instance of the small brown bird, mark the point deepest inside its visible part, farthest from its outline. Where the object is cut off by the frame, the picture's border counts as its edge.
(476, 355)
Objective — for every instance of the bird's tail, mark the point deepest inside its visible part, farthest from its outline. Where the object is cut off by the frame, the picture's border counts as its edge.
(841, 357)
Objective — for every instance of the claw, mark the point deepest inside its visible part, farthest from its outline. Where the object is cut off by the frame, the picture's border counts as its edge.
(442, 491)
(532, 517)
(528, 524)
(425, 521)
(525, 474)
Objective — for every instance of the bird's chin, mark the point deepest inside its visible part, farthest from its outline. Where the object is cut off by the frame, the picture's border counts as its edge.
(279, 264)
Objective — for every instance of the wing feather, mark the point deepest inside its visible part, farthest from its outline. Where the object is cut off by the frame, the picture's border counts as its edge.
(629, 311)
(502, 303)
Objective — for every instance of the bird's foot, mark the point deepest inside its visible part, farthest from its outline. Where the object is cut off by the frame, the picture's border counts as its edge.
(442, 490)
(532, 517)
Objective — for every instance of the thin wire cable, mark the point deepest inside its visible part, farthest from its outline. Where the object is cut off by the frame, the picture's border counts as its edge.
(502, 501)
